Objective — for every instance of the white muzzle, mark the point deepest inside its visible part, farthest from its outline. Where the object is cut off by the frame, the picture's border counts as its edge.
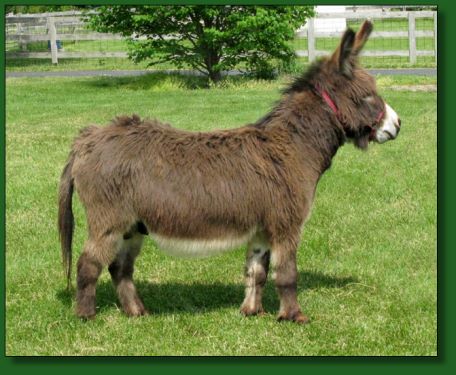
(389, 127)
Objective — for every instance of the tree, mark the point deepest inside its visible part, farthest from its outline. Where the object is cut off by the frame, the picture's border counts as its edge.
(209, 39)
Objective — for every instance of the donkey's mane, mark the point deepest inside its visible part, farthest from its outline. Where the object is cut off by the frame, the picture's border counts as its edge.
(301, 83)
(304, 81)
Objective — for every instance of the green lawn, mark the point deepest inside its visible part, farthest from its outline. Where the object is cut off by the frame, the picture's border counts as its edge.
(394, 24)
(367, 261)
(76, 46)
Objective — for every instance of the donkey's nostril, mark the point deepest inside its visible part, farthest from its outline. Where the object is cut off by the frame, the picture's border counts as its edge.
(399, 122)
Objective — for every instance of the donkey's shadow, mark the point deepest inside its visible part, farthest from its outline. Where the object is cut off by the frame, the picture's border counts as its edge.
(197, 297)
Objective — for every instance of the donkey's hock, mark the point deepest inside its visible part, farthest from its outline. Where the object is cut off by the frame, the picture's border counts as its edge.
(201, 193)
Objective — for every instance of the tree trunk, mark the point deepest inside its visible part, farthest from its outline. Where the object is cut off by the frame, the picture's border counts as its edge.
(212, 59)
(215, 76)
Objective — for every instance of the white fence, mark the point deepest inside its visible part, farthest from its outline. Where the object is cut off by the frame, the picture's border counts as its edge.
(28, 28)
(412, 34)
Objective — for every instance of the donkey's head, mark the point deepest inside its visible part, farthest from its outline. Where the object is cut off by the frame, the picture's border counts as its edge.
(351, 93)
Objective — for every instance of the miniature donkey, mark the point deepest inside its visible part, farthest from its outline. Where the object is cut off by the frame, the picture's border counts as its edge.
(199, 193)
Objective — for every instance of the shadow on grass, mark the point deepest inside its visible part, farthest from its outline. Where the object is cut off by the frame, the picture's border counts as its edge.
(150, 81)
(162, 81)
(197, 297)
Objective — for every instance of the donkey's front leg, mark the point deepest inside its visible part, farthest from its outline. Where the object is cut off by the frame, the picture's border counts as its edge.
(283, 259)
(256, 273)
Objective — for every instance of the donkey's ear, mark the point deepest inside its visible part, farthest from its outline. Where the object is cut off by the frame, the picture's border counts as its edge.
(341, 56)
(362, 35)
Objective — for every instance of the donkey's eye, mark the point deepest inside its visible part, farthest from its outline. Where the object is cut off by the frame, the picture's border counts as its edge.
(369, 99)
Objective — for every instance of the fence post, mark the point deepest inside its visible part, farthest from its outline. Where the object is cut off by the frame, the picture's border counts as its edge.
(435, 35)
(20, 31)
(52, 32)
(412, 37)
(311, 39)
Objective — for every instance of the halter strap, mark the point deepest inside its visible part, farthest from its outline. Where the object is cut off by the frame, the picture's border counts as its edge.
(324, 94)
(380, 116)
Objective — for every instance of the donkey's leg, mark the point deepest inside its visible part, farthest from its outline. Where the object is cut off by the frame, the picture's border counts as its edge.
(256, 273)
(121, 270)
(96, 254)
(283, 259)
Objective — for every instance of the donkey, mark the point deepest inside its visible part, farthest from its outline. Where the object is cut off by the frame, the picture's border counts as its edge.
(200, 193)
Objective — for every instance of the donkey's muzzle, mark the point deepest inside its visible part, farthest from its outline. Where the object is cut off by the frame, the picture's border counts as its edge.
(389, 127)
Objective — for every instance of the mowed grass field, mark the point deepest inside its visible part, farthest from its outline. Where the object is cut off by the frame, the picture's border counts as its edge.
(367, 260)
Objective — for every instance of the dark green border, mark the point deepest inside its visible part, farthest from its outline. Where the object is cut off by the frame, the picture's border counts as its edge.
(444, 363)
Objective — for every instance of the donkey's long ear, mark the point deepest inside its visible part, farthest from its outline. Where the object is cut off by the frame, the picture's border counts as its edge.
(341, 56)
(362, 35)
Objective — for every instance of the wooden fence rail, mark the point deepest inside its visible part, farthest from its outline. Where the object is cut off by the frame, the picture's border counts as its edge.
(50, 23)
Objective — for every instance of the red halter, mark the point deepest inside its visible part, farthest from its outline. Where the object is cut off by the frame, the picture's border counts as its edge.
(324, 94)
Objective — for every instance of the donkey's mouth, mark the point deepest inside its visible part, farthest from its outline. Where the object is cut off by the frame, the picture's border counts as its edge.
(384, 135)
(391, 136)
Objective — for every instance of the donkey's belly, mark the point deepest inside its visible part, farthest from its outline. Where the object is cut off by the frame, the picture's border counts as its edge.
(200, 247)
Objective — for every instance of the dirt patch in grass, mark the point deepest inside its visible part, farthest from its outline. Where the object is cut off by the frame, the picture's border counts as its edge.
(415, 88)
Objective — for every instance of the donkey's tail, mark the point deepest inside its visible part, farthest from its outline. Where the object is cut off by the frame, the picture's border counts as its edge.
(66, 218)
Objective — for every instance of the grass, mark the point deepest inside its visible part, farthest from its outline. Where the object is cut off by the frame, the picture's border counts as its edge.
(76, 46)
(394, 24)
(44, 65)
(367, 260)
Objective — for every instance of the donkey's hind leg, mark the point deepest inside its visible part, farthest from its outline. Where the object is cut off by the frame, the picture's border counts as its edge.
(121, 270)
(97, 253)
(256, 273)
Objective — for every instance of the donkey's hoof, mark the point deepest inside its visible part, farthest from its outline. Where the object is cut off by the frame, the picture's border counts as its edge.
(249, 311)
(86, 314)
(297, 317)
(142, 312)
(135, 310)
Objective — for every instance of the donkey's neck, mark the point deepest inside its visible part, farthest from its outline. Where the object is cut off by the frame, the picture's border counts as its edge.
(313, 129)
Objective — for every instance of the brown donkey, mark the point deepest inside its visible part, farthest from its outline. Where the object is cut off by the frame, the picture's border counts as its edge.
(201, 193)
